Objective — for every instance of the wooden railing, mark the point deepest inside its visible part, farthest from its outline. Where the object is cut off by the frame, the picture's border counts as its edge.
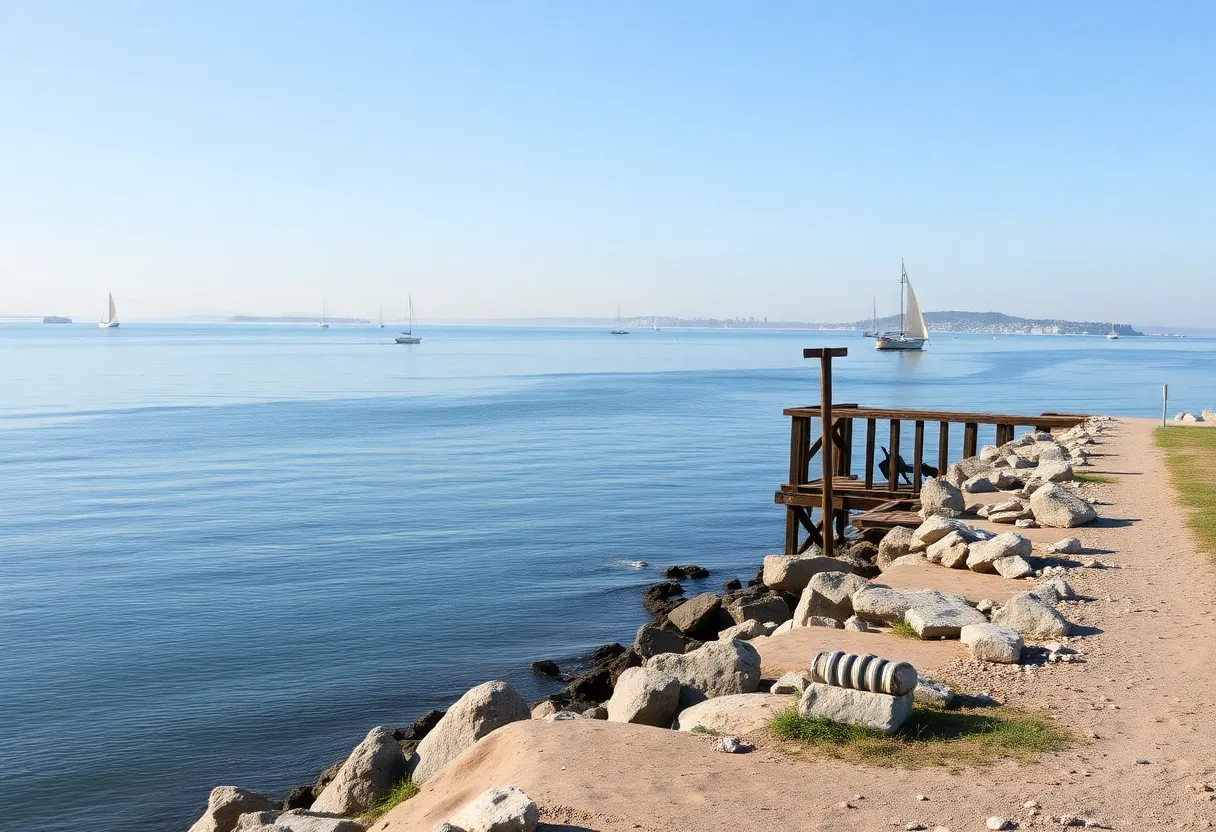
(845, 491)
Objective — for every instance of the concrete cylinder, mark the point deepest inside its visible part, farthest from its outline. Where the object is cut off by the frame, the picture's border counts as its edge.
(868, 672)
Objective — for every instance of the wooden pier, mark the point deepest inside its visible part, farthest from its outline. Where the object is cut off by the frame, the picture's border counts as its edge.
(839, 492)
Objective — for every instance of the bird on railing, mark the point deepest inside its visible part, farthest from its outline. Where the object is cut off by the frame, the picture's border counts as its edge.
(902, 467)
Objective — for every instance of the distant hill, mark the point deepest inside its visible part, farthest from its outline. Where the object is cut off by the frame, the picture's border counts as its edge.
(291, 319)
(997, 323)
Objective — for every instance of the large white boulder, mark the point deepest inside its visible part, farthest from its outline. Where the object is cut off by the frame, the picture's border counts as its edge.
(1052, 470)
(939, 497)
(992, 643)
(738, 714)
(369, 773)
(225, 806)
(935, 528)
(696, 613)
(1067, 546)
(481, 710)
(894, 545)
(719, 668)
(856, 707)
(645, 696)
(950, 551)
(1058, 508)
(982, 553)
(1031, 616)
(786, 573)
(829, 594)
(965, 469)
(498, 810)
(296, 820)
(942, 619)
(1013, 566)
(762, 609)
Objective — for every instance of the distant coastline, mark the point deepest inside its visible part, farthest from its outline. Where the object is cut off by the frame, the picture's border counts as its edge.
(290, 319)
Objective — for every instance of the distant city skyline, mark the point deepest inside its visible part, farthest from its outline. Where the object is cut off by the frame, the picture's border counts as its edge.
(555, 160)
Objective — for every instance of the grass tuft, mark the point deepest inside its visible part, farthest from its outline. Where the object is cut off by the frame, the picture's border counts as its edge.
(1100, 479)
(929, 737)
(1190, 456)
(904, 630)
(400, 793)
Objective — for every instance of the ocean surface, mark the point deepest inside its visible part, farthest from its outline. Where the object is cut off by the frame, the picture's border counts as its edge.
(230, 550)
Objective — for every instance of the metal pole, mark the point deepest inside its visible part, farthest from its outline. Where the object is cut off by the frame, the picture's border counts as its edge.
(826, 453)
(1165, 400)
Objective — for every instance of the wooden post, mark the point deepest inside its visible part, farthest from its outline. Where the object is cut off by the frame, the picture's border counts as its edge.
(918, 449)
(892, 465)
(971, 438)
(943, 448)
(871, 429)
(827, 452)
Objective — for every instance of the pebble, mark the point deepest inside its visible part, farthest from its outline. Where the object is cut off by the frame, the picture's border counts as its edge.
(1140, 761)
(1030, 804)
(921, 797)
(844, 804)
(912, 826)
(729, 745)
(997, 822)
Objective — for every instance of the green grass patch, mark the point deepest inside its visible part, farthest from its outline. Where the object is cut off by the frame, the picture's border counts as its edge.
(1190, 456)
(929, 737)
(904, 630)
(1100, 479)
(400, 793)
(709, 732)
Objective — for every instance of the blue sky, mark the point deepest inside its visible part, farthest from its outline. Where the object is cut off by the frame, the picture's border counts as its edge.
(534, 159)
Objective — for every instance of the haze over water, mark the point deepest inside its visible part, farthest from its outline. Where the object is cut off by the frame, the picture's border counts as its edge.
(232, 549)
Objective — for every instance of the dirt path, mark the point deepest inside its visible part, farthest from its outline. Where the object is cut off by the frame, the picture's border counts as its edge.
(1144, 692)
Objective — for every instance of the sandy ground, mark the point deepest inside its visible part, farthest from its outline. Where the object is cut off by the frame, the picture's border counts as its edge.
(1141, 705)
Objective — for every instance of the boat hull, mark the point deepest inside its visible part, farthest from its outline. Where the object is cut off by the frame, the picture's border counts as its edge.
(408, 339)
(107, 324)
(903, 343)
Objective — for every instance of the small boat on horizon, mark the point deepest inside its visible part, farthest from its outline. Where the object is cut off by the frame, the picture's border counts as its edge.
(1112, 335)
(407, 335)
(912, 330)
(110, 320)
(620, 328)
(381, 317)
(322, 324)
(873, 332)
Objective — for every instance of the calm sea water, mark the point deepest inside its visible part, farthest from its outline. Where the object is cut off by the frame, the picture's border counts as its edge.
(229, 550)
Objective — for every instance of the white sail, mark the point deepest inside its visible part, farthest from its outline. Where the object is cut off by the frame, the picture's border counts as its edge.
(914, 325)
(111, 312)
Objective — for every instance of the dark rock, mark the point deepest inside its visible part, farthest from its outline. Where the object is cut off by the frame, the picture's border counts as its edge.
(606, 653)
(690, 571)
(630, 658)
(732, 585)
(697, 613)
(658, 599)
(420, 727)
(595, 713)
(326, 777)
(858, 565)
(592, 686)
(862, 549)
(545, 667)
(300, 797)
(765, 608)
(652, 640)
(749, 591)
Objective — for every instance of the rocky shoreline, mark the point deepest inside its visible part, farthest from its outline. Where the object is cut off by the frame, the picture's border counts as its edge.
(694, 664)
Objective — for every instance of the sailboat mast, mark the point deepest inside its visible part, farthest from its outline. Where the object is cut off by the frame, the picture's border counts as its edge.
(410, 331)
(903, 278)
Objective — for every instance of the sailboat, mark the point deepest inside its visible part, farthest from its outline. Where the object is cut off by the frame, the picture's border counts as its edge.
(873, 332)
(321, 324)
(382, 317)
(620, 328)
(912, 330)
(1112, 335)
(111, 318)
(407, 336)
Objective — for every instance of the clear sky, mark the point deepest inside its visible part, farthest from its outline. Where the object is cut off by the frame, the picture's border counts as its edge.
(519, 159)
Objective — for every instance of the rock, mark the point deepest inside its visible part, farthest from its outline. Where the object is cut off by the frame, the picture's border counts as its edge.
(828, 594)
(738, 714)
(1186, 416)
(935, 528)
(299, 797)
(942, 619)
(793, 682)
(895, 544)
(856, 565)
(593, 685)
(997, 823)
(792, 574)
(697, 613)
(651, 640)
(545, 667)
(907, 560)
(1031, 616)
(1013, 566)
(1053, 591)
(692, 572)
(979, 484)
(1067, 546)
(417, 729)
(878, 603)
(982, 553)
(856, 625)
(992, 643)
(1004, 480)
(369, 773)
(498, 810)
(598, 712)
(965, 469)
(1208, 416)
(985, 605)
(544, 708)
(824, 621)
(1026, 523)
(729, 745)
(660, 599)
(720, 668)
(562, 716)
(225, 806)
(939, 547)
(481, 710)
(931, 693)
(761, 609)
(783, 628)
(1018, 462)
(937, 496)
(1058, 508)
(856, 707)
(746, 631)
(732, 585)
(297, 820)
(860, 549)
(954, 554)
(645, 696)
(1052, 470)
(1011, 518)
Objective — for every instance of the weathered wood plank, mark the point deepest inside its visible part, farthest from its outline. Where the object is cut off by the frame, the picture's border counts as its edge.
(918, 449)
(893, 460)
(1047, 420)
(943, 448)
(871, 430)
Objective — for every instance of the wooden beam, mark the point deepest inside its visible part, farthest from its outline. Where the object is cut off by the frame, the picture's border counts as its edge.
(943, 448)
(892, 462)
(918, 449)
(1054, 420)
(971, 439)
(871, 429)
(825, 413)
(825, 352)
